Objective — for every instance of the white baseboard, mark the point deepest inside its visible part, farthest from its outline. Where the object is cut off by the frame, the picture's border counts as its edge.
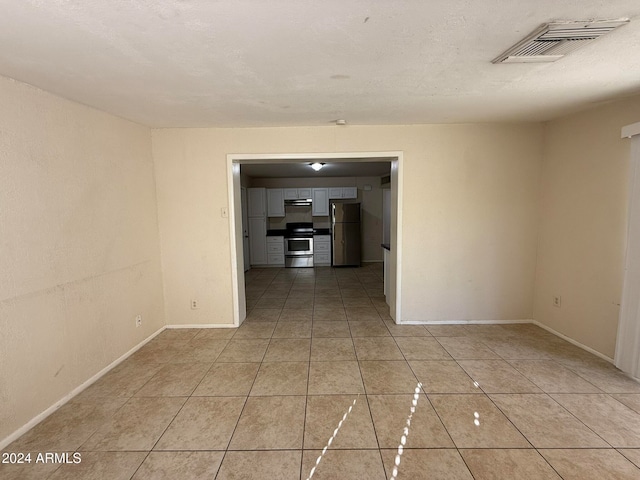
(41, 416)
(207, 325)
(464, 322)
(572, 341)
(499, 322)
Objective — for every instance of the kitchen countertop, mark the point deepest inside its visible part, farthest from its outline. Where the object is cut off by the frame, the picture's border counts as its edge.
(322, 231)
(276, 233)
(386, 246)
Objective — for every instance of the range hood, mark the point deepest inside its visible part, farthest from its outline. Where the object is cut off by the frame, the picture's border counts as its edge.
(298, 202)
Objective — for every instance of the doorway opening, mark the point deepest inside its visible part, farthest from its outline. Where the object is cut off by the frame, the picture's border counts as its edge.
(237, 240)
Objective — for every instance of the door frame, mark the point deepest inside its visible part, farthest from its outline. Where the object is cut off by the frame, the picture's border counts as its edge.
(234, 160)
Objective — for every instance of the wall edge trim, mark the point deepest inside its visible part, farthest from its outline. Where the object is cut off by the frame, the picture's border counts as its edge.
(203, 325)
(573, 342)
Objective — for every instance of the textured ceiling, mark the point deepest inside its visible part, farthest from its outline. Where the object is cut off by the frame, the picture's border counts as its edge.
(184, 63)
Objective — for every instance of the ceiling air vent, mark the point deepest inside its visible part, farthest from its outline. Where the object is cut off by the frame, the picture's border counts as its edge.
(552, 41)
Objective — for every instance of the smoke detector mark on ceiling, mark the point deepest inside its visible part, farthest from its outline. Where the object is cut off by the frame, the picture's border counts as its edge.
(552, 41)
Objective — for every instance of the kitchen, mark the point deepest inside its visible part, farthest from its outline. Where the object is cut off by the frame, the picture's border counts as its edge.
(277, 198)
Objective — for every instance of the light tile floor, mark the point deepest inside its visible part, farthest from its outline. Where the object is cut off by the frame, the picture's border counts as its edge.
(262, 401)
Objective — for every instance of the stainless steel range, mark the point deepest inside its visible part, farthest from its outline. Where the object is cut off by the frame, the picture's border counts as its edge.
(298, 245)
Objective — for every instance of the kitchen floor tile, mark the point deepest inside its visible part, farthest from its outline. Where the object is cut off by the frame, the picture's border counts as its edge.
(545, 423)
(331, 329)
(335, 378)
(270, 423)
(260, 465)
(244, 350)
(508, 464)
(255, 330)
(443, 377)
(100, 465)
(497, 376)
(368, 328)
(136, 426)
(182, 465)
(613, 421)
(332, 349)
(382, 376)
(228, 379)
(292, 329)
(352, 464)
(421, 463)
(204, 423)
(390, 413)
(288, 350)
(466, 348)
(175, 379)
(553, 377)
(329, 313)
(296, 315)
(323, 415)
(281, 378)
(583, 463)
(473, 421)
(377, 348)
(422, 348)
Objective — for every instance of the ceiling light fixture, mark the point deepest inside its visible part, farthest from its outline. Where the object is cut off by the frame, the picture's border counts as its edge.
(317, 166)
(341, 122)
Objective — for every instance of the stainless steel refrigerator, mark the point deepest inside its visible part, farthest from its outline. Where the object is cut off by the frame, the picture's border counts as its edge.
(345, 234)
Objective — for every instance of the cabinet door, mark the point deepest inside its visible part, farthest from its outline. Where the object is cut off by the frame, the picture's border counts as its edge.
(275, 202)
(258, 240)
(257, 201)
(290, 193)
(304, 193)
(320, 204)
(349, 192)
(335, 192)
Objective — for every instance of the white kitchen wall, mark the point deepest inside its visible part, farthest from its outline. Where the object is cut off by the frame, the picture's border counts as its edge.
(79, 255)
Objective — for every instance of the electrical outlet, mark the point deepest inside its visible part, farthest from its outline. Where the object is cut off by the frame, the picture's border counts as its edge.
(557, 301)
(138, 320)
(195, 304)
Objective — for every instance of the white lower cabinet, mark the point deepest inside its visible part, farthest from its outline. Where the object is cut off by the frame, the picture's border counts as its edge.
(258, 240)
(321, 250)
(275, 250)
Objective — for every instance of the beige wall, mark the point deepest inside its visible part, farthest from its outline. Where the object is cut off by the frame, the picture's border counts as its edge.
(469, 217)
(370, 200)
(79, 255)
(583, 205)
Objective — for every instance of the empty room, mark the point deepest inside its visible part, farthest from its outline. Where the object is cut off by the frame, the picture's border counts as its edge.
(319, 240)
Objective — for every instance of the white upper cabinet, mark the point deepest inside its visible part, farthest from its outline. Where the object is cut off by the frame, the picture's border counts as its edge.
(275, 202)
(296, 193)
(320, 202)
(304, 193)
(257, 202)
(290, 193)
(343, 192)
(349, 192)
(335, 192)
